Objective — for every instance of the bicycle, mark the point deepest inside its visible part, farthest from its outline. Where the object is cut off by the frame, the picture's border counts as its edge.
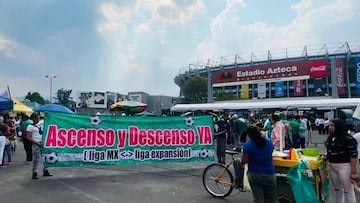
(217, 178)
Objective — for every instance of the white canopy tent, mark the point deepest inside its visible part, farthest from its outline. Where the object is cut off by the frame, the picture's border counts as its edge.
(284, 103)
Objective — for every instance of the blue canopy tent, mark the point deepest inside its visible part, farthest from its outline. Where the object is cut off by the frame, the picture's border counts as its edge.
(5, 103)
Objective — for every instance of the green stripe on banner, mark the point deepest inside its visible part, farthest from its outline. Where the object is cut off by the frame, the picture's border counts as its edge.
(78, 140)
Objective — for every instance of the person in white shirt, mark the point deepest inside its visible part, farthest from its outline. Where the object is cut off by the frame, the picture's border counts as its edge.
(3, 130)
(33, 134)
(357, 138)
(319, 122)
(326, 126)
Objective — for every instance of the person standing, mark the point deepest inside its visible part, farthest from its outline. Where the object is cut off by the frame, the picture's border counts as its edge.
(342, 155)
(278, 133)
(326, 126)
(222, 129)
(319, 122)
(3, 131)
(294, 131)
(27, 144)
(303, 132)
(33, 134)
(268, 126)
(357, 138)
(9, 136)
(240, 128)
(257, 153)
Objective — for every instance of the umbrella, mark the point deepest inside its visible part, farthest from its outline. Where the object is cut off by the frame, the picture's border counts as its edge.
(53, 108)
(129, 106)
(20, 107)
(5, 103)
(145, 113)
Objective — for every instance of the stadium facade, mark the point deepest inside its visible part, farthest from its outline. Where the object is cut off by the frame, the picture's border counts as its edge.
(330, 70)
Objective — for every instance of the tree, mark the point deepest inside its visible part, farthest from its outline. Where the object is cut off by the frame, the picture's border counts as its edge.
(195, 89)
(35, 97)
(223, 96)
(63, 97)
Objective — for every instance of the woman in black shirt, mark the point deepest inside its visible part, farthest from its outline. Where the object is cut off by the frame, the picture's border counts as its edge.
(342, 155)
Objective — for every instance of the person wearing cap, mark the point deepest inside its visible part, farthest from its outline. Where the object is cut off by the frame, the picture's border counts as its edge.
(33, 134)
(3, 130)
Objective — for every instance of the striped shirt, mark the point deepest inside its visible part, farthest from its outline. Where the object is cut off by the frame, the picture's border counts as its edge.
(341, 149)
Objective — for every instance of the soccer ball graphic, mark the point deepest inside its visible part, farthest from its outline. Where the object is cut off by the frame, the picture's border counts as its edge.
(51, 158)
(189, 121)
(95, 120)
(203, 153)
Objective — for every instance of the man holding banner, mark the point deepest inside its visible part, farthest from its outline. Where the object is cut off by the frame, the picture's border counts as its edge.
(34, 134)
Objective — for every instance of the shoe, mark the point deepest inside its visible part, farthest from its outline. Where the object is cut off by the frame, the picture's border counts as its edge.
(236, 186)
(9, 163)
(35, 176)
(47, 174)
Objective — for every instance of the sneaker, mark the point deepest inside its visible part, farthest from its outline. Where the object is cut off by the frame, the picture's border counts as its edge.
(47, 173)
(9, 163)
(35, 176)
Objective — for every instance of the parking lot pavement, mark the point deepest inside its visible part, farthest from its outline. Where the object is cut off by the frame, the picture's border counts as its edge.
(161, 183)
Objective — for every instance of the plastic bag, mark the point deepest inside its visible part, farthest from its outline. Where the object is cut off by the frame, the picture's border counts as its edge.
(301, 181)
(246, 183)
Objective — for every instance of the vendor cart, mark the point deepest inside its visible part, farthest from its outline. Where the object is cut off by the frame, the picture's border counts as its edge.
(319, 175)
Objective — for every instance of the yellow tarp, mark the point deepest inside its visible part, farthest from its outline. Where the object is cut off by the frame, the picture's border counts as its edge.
(20, 107)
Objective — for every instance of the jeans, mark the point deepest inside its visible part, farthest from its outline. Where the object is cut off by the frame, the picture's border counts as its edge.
(2, 147)
(37, 157)
(7, 151)
(263, 187)
(340, 180)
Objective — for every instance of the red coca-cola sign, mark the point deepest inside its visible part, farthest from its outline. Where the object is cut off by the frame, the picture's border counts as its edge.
(318, 69)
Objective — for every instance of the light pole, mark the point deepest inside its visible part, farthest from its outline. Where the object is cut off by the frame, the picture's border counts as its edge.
(51, 78)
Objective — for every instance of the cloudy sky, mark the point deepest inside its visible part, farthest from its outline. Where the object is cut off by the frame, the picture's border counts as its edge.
(133, 45)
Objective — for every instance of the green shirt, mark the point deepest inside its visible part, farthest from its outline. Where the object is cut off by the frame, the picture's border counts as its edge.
(294, 127)
(24, 124)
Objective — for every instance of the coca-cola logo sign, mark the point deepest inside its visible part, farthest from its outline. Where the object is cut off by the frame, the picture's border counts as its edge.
(318, 69)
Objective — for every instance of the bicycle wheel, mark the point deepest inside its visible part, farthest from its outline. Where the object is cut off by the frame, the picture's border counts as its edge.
(218, 180)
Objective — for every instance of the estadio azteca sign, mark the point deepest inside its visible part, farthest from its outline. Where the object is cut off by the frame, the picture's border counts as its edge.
(269, 71)
(291, 70)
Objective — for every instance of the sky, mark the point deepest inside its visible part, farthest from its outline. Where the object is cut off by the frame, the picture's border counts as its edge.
(141, 45)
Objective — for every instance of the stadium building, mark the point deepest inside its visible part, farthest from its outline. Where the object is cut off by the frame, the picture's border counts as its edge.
(330, 70)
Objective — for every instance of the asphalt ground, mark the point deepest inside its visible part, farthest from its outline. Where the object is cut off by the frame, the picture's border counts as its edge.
(160, 183)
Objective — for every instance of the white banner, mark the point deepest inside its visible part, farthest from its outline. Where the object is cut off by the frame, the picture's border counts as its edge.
(91, 100)
(261, 90)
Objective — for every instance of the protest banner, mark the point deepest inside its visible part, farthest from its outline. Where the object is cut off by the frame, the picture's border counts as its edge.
(79, 140)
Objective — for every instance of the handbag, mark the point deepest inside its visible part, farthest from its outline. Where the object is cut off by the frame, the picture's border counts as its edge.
(301, 180)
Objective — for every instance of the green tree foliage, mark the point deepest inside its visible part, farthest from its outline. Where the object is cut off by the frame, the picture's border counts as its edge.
(35, 97)
(63, 97)
(223, 96)
(195, 90)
